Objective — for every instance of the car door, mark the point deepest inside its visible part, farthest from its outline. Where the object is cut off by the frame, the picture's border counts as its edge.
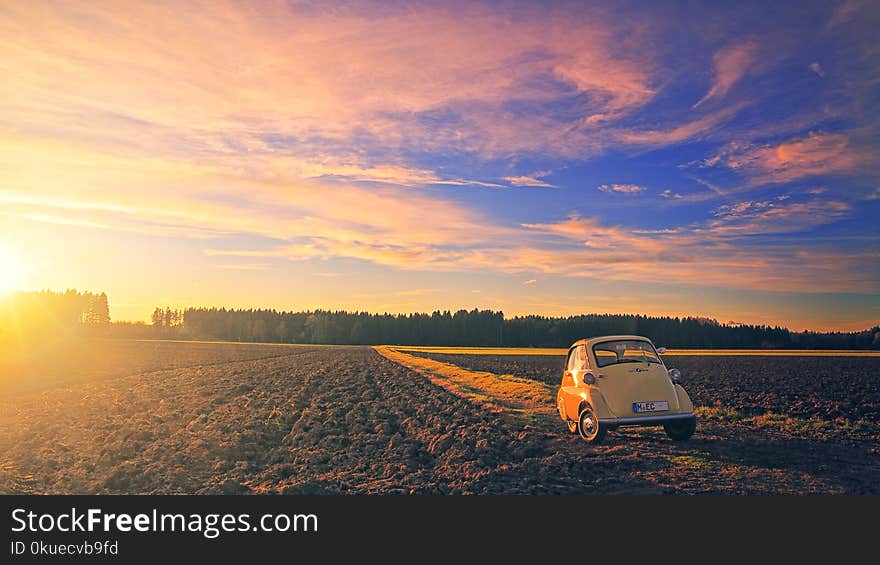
(568, 387)
(633, 380)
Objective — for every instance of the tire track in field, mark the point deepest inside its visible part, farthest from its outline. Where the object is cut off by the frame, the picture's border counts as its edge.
(503, 393)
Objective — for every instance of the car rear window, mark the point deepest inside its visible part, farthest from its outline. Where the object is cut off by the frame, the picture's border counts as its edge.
(625, 351)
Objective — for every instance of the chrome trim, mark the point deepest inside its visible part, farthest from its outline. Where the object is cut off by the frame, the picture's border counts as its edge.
(638, 420)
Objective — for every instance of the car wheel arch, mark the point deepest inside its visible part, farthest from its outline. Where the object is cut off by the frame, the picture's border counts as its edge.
(685, 404)
(583, 404)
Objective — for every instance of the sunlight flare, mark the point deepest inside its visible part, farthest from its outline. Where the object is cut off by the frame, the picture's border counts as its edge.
(12, 269)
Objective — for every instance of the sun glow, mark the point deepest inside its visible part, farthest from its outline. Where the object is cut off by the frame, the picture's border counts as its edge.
(12, 270)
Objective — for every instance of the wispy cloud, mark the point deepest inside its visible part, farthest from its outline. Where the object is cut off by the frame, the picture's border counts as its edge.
(533, 179)
(681, 133)
(731, 64)
(817, 68)
(721, 247)
(243, 266)
(59, 220)
(530, 282)
(669, 194)
(815, 154)
(622, 188)
(389, 226)
(761, 217)
(417, 292)
(297, 83)
(846, 11)
(226, 200)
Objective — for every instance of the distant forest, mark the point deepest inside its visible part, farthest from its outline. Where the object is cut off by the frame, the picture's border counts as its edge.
(485, 328)
(25, 315)
(54, 313)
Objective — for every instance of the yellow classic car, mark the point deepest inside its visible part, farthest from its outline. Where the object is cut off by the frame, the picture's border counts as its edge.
(621, 380)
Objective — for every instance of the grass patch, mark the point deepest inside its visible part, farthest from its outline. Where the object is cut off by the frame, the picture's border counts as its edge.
(813, 427)
(485, 350)
(816, 427)
(691, 462)
(717, 413)
(499, 391)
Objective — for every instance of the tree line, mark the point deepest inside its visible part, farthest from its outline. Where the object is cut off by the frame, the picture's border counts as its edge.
(485, 328)
(47, 313)
(475, 328)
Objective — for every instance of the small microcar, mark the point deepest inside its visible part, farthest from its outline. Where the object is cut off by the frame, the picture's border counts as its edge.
(622, 380)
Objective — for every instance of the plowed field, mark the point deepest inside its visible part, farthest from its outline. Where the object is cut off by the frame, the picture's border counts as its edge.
(348, 420)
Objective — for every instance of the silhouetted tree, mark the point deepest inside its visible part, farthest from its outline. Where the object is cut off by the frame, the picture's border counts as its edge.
(158, 318)
(47, 313)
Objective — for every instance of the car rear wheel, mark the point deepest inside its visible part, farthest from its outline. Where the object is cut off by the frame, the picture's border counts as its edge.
(589, 427)
(680, 430)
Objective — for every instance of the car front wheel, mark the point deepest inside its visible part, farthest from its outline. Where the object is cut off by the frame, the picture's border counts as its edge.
(680, 430)
(588, 426)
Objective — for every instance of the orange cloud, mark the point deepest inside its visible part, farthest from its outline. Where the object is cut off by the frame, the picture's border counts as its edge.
(396, 226)
(816, 154)
(168, 197)
(731, 64)
(773, 216)
(621, 87)
(717, 252)
(680, 133)
(173, 75)
(531, 180)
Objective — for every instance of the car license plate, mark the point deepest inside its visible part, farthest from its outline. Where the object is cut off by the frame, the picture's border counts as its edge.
(656, 406)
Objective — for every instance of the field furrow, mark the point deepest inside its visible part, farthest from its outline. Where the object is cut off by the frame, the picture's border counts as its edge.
(348, 420)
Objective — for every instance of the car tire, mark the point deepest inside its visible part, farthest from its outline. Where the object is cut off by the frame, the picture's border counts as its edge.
(572, 426)
(589, 427)
(680, 430)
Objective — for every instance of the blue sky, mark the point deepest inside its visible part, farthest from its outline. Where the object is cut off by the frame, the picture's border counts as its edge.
(661, 158)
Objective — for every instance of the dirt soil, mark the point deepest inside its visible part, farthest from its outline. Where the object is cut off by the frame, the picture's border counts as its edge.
(347, 420)
(822, 387)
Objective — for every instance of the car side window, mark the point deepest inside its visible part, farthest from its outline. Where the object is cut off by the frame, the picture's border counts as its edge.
(583, 364)
(571, 365)
(577, 360)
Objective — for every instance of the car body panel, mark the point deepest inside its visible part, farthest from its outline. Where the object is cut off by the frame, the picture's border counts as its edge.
(573, 397)
(628, 383)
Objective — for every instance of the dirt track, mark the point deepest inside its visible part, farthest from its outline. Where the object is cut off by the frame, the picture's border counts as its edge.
(347, 420)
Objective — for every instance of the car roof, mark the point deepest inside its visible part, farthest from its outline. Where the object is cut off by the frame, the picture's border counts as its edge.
(594, 340)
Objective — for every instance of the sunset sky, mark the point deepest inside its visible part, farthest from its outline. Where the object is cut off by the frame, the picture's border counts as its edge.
(714, 159)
